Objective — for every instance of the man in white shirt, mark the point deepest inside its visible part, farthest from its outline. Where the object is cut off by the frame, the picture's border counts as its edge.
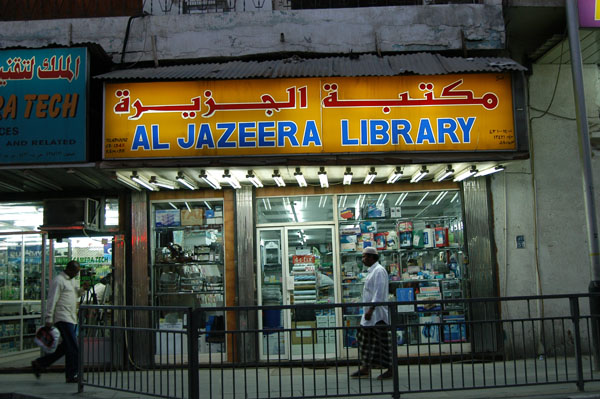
(61, 311)
(374, 340)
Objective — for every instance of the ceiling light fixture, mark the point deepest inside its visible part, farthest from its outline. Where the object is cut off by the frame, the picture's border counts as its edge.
(253, 179)
(266, 203)
(322, 201)
(423, 199)
(466, 173)
(439, 198)
(443, 174)
(420, 174)
(395, 175)
(161, 183)
(208, 179)
(489, 171)
(454, 198)
(278, 179)
(125, 181)
(232, 181)
(186, 181)
(173, 205)
(370, 176)
(323, 178)
(300, 178)
(142, 182)
(347, 177)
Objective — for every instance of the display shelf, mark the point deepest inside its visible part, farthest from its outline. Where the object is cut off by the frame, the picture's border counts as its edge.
(190, 293)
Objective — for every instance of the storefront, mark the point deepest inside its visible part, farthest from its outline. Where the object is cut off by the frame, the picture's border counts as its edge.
(305, 172)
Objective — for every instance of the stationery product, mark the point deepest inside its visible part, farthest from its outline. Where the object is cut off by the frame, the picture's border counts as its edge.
(405, 226)
(381, 240)
(441, 236)
(392, 240)
(368, 227)
(347, 213)
(418, 239)
(428, 237)
(406, 239)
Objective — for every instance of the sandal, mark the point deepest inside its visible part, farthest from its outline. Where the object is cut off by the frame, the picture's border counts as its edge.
(386, 376)
(360, 374)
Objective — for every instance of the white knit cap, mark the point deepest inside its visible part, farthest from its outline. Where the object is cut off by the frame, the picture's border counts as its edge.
(370, 250)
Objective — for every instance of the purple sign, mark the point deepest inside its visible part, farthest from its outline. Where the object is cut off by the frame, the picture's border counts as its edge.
(589, 13)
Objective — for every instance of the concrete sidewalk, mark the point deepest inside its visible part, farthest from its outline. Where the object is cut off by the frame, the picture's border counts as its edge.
(17, 381)
(52, 386)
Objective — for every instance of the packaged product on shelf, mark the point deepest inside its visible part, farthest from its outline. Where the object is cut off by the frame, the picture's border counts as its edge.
(348, 242)
(405, 226)
(366, 240)
(381, 240)
(405, 295)
(167, 217)
(377, 210)
(350, 230)
(347, 213)
(192, 217)
(429, 329)
(395, 212)
(428, 237)
(368, 227)
(454, 328)
(441, 236)
(406, 239)
(392, 240)
(418, 239)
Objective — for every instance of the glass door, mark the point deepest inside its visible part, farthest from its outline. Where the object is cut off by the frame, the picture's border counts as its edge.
(311, 271)
(271, 287)
(297, 267)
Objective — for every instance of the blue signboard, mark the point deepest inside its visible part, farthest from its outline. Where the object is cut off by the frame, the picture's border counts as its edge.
(43, 105)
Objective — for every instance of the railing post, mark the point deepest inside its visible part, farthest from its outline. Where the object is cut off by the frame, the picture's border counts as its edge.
(594, 290)
(80, 351)
(575, 316)
(192, 334)
(393, 310)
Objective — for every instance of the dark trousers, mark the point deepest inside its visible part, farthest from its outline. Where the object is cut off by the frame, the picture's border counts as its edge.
(374, 346)
(68, 348)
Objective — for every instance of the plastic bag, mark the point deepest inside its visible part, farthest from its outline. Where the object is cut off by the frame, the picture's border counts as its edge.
(47, 338)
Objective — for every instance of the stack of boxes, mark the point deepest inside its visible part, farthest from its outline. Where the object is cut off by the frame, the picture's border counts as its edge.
(326, 319)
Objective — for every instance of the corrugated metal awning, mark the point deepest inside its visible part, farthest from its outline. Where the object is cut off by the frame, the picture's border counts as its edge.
(296, 67)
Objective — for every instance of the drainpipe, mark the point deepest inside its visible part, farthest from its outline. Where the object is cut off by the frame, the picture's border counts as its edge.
(588, 182)
(127, 33)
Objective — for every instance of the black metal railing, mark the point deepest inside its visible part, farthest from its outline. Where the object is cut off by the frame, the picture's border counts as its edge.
(180, 352)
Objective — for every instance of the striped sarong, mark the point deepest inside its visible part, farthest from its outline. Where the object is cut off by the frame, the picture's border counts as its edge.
(374, 346)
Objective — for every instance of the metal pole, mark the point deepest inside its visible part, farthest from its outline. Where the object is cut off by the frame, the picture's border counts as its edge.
(575, 316)
(588, 181)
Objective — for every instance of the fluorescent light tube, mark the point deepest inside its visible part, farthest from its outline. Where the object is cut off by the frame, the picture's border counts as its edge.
(254, 180)
(127, 182)
(300, 178)
(232, 181)
(139, 180)
(278, 179)
(466, 174)
(370, 176)
(186, 181)
(162, 183)
(423, 199)
(323, 178)
(443, 174)
(208, 179)
(401, 199)
(395, 176)
(420, 174)
(489, 171)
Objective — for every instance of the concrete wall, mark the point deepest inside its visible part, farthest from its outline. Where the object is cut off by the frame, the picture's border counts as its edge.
(545, 194)
(235, 34)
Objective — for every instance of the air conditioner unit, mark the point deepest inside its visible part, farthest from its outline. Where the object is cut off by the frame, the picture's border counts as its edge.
(67, 212)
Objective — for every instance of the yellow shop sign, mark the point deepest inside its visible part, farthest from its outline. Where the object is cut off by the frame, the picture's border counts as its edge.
(308, 116)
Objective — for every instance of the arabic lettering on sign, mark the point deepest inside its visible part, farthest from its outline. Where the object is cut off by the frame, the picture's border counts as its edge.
(53, 68)
(43, 105)
(308, 115)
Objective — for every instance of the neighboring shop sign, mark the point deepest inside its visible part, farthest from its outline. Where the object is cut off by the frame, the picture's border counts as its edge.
(43, 105)
(589, 13)
(309, 116)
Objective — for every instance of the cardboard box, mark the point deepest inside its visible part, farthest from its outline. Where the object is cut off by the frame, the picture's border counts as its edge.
(194, 217)
(429, 329)
(455, 329)
(302, 333)
(167, 217)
